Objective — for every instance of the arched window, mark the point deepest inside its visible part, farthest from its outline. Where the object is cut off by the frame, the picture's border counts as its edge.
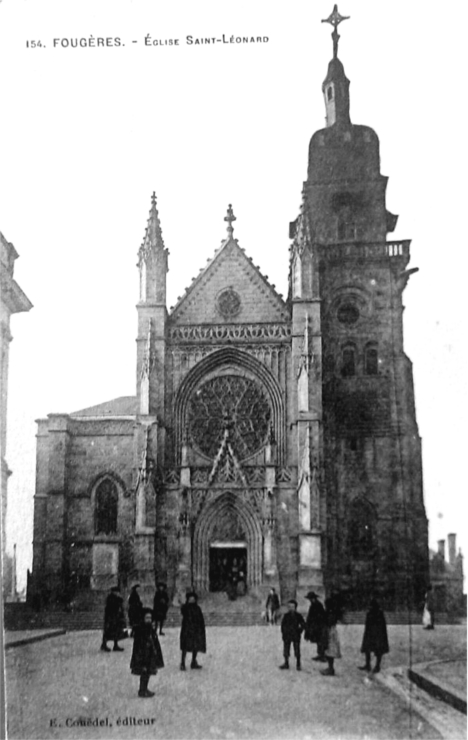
(348, 361)
(361, 530)
(106, 507)
(371, 362)
(330, 93)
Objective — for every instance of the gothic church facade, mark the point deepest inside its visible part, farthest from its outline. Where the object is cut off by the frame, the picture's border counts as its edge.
(277, 437)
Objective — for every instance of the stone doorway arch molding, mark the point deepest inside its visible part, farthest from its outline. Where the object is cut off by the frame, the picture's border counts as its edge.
(231, 517)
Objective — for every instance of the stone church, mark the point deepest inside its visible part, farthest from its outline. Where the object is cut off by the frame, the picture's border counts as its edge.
(271, 439)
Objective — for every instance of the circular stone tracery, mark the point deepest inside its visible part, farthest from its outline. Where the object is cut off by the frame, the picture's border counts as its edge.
(229, 402)
(229, 303)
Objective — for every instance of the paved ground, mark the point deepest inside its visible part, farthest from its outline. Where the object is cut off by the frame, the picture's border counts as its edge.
(56, 684)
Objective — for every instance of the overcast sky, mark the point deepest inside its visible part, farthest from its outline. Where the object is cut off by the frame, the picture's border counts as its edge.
(87, 134)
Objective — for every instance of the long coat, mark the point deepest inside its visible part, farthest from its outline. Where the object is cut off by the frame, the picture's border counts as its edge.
(192, 633)
(316, 623)
(135, 608)
(292, 626)
(114, 617)
(147, 655)
(375, 638)
(160, 605)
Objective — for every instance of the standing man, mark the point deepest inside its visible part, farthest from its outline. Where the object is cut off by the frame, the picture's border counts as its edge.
(135, 608)
(192, 633)
(114, 620)
(292, 627)
(375, 638)
(160, 606)
(316, 626)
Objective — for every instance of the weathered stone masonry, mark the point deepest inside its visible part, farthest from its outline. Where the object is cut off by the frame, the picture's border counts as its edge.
(275, 437)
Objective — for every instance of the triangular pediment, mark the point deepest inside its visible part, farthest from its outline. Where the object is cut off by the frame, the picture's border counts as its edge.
(230, 289)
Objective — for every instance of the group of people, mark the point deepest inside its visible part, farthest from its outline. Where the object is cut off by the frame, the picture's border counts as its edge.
(147, 657)
(320, 627)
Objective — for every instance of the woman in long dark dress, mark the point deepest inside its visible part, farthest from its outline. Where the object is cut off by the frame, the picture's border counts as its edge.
(375, 638)
(114, 620)
(147, 655)
(192, 633)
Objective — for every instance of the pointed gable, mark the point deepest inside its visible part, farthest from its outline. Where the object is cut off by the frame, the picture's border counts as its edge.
(230, 289)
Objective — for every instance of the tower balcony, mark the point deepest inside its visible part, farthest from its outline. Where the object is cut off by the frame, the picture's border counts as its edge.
(398, 251)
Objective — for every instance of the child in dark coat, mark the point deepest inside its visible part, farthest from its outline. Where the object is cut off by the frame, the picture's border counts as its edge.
(292, 627)
(147, 656)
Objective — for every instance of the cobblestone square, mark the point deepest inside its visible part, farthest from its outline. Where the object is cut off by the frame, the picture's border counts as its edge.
(55, 687)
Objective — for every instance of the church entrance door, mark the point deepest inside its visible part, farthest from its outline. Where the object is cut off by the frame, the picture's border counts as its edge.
(228, 566)
(228, 529)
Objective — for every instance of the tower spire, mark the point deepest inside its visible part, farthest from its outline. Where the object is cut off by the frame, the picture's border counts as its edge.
(335, 18)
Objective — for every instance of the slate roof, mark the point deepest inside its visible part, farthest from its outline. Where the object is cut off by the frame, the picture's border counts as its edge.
(122, 406)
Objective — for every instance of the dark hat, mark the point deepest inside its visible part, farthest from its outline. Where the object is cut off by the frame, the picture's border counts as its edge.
(115, 588)
(191, 594)
(161, 585)
(136, 585)
(292, 601)
(312, 595)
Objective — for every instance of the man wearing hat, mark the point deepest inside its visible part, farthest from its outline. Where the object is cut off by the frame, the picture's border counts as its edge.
(147, 655)
(292, 626)
(192, 633)
(160, 606)
(316, 626)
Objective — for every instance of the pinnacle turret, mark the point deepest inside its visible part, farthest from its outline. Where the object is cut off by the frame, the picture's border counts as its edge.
(153, 239)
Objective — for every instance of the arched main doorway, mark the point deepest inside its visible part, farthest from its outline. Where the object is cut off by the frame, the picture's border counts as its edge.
(227, 530)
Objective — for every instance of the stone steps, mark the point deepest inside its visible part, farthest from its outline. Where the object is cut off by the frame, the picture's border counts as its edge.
(232, 614)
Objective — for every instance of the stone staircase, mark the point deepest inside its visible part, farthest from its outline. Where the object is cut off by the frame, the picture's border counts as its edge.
(218, 611)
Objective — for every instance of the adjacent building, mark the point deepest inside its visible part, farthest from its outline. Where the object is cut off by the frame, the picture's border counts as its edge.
(12, 300)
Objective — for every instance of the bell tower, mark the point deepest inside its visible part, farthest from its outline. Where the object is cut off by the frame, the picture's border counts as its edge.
(347, 283)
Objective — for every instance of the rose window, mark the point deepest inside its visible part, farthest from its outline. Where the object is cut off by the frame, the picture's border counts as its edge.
(232, 403)
(229, 303)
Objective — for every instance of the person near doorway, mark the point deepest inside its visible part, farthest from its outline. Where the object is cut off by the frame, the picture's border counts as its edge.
(147, 656)
(292, 627)
(135, 608)
(316, 626)
(375, 638)
(192, 633)
(114, 620)
(272, 607)
(160, 606)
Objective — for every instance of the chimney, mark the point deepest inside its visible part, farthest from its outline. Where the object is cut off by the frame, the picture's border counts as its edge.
(452, 548)
(441, 548)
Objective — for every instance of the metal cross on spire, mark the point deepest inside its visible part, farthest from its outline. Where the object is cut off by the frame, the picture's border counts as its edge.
(335, 19)
(230, 218)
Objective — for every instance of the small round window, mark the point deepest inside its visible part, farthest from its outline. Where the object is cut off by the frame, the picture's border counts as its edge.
(229, 303)
(348, 314)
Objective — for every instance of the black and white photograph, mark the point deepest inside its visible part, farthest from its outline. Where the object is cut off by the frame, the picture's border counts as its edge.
(233, 380)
